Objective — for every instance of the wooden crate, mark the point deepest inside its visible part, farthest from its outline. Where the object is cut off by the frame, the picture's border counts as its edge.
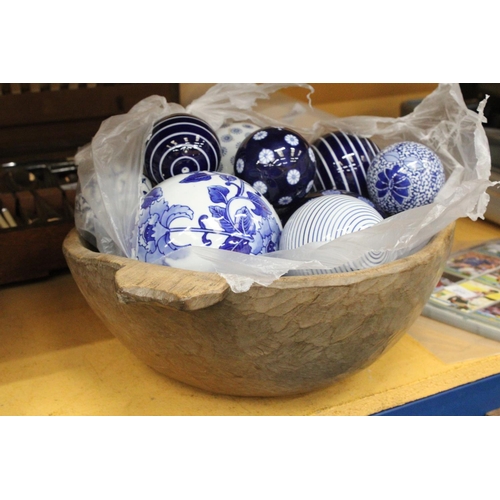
(41, 128)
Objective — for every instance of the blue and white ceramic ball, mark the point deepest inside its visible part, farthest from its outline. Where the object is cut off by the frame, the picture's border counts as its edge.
(329, 217)
(343, 161)
(205, 209)
(146, 185)
(230, 137)
(405, 175)
(279, 163)
(180, 144)
(328, 192)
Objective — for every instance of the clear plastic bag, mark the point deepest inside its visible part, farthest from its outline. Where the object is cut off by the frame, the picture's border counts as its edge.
(110, 172)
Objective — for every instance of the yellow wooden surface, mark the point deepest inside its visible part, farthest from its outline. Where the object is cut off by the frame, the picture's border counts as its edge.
(57, 358)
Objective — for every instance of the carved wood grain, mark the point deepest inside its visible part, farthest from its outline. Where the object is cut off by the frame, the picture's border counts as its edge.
(299, 334)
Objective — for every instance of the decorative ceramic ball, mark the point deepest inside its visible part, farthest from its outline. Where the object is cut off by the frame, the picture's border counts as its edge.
(326, 218)
(328, 192)
(230, 137)
(287, 212)
(205, 209)
(405, 175)
(279, 163)
(343, 161)
(180, 144)
(146, 185)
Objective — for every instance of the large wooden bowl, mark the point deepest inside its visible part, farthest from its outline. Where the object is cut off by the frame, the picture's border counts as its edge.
(299, 334)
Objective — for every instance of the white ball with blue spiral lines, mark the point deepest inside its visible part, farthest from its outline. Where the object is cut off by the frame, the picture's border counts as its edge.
(326, 218)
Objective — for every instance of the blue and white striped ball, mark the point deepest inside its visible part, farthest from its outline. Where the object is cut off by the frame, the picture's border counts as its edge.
(405, 175)
(343, 161)
(180, 144)
(279, 163)
(230, 137)
(326, 218)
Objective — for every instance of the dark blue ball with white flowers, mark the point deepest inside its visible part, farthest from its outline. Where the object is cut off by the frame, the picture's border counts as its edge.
(405, 175)
(279, 163)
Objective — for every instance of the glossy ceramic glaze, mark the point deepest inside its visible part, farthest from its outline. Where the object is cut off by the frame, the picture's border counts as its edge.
(326, 218)
(230, 137)
(205, 209)
(343, 161)
(277, 162)
(181, 144)
(328, 192)
(146, 185)
(405, 175)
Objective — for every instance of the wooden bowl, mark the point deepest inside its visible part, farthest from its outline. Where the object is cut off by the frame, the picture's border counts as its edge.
(299, 334)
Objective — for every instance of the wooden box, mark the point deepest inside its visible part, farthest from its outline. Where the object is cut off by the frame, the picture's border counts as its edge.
(41, 128)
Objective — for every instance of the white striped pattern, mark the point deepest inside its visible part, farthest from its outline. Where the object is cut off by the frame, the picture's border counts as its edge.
(328, 217)
(163, 140)
(334, 170)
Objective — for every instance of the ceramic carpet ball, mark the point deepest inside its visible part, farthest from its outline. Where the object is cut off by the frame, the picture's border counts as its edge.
(180, 144)
(230, 137)
(277, 162)
(326, 218)
(328, 192)
(145, 186)
(403, 176)
(205, 209)
(343, 161)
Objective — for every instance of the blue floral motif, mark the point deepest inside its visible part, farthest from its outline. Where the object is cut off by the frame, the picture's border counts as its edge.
(266, 156)
(293, 176)
(196, 177)
(260, 187)
(260, 135)
(240, 226)
(395, 182)
(243, 217)
(155, 232)
(154, 196)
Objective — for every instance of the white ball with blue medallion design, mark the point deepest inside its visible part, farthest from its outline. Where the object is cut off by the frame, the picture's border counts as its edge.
(405, 175)
(230, 137)
(326, 218)
(277, 162)
(209, 209)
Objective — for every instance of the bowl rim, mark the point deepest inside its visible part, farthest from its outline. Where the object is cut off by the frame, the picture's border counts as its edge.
(75, 246)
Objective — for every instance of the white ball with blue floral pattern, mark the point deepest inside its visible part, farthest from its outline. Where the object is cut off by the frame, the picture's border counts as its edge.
(404, 175)
(231, 136)
(207, 209)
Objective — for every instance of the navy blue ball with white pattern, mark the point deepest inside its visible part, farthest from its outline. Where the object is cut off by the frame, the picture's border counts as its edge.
(279, 163)
(343, 161)
(180, 144)
(405, 175)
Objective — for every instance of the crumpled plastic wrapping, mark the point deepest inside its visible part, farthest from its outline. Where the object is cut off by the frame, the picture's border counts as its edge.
(110, 173)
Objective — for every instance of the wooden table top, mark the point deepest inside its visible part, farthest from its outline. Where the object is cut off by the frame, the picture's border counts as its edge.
(57, 358)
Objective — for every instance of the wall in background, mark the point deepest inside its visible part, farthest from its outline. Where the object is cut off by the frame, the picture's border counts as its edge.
(342, 99)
